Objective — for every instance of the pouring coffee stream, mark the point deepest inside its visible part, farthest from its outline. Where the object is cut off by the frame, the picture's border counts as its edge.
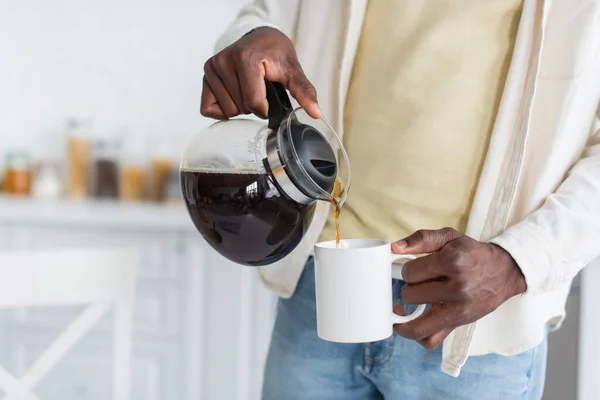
(251, 189)
(338, 191)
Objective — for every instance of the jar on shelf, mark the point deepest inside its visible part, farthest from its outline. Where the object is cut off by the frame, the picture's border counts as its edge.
(132, 186)
(47, 183)
(105, 171)
(132, 182)
(174, 190)
(160, 168)
(78, 158)
(17, 173)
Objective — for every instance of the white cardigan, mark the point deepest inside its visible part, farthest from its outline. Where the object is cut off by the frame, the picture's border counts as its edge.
(539, 191)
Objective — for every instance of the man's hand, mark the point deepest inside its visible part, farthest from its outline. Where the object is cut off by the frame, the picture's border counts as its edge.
(234, 79)
(462, 279)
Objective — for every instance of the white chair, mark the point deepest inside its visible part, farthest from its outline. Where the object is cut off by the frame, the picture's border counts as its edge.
(101, 279)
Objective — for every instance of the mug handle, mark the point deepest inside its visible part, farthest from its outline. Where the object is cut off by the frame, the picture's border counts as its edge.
(397, 274)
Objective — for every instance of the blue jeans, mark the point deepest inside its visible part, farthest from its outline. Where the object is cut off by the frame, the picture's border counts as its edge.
(300, 366)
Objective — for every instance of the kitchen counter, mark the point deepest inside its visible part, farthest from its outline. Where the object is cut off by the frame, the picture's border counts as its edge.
(95, 213)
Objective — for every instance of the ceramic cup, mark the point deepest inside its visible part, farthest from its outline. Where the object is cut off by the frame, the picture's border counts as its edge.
(354, 291)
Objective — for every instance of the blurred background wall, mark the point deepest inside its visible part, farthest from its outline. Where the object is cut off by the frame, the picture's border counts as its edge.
(127, 65)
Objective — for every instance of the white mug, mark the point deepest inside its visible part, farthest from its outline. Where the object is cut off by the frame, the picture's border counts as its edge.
(354, 290)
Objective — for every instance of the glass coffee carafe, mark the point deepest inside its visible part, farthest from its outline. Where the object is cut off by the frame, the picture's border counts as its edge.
(250, 187)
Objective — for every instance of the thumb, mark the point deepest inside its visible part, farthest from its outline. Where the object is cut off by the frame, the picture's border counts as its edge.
(303, 91)
(425, 241)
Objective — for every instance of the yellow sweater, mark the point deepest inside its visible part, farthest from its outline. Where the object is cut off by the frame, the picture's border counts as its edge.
(425, 88)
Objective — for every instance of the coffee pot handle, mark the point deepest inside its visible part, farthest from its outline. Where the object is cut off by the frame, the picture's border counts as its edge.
(279, 103)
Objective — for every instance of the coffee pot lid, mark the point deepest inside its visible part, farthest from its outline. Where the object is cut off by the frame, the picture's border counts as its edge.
(302, 152)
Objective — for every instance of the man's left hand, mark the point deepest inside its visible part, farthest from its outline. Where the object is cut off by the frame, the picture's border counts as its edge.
(462, 279)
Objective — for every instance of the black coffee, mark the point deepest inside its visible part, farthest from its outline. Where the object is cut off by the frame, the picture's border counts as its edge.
(244, 216)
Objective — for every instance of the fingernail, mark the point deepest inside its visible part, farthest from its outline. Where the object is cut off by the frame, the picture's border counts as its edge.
(401, 244)
(317, 107)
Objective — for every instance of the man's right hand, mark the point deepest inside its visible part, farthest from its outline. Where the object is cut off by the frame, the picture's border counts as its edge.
(234, 79)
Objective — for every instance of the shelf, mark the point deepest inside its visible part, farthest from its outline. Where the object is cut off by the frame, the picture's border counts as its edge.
(97, 213)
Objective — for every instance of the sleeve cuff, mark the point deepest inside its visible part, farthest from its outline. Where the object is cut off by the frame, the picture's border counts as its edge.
(533, 253)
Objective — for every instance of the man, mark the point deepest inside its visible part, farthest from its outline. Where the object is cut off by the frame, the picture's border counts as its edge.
(478, 116)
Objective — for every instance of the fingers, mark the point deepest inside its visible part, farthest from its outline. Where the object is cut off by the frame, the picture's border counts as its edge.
(399, 309)
(290, 74)
(221, 93)
(252, 83)
(432, 321)
(234, 78)
(429, 342)
(425, 241)
(303, 91)
(224, 66)
(430, 292)
(432, 342)
(209, 107)
(238, 84)
(423, 269)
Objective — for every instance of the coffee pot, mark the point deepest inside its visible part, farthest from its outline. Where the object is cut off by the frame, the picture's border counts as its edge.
(250, 187)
